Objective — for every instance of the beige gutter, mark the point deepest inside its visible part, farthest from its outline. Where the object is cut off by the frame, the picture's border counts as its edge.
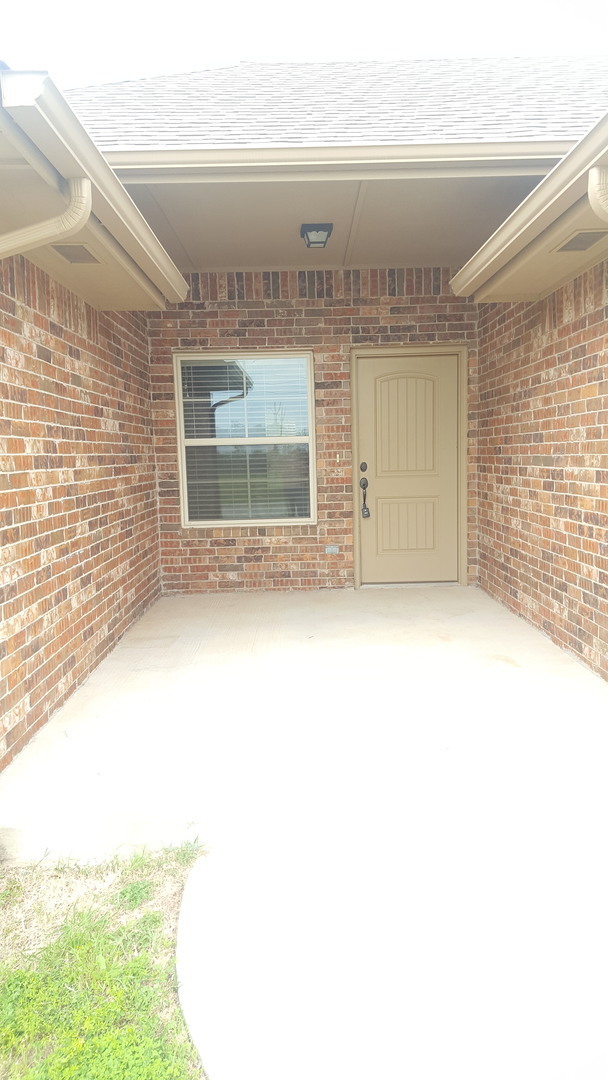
(311, 156)
(598, 192)
(561, 189)
(30, 153)
(229, 164)
(41, 113)
(356, 173)
(61, 227)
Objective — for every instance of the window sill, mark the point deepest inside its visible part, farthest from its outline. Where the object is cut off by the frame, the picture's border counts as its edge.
(250, 523)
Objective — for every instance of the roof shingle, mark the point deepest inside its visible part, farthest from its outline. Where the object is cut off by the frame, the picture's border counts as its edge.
(345, 104)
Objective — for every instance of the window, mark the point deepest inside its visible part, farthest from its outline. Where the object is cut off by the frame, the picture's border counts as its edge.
(245, 426)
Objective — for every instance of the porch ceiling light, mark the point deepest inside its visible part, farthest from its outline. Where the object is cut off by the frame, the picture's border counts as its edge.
(316, 236)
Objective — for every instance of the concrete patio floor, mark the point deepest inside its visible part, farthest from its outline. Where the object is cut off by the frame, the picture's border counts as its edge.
(403, 798)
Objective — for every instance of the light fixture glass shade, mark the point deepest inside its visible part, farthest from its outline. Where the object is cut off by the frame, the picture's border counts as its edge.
(316, 236)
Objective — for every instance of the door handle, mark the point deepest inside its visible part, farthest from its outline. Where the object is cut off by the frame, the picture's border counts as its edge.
(363, 483)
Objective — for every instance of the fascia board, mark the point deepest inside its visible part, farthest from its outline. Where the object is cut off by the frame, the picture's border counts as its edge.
(134, 176)
(556, 193)
(41, 112)
(120, 256)
(532, 153)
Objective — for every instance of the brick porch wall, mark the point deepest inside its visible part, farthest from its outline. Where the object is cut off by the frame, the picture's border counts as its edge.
(79, 557)
(78, 522)
(542, 466)
(328, 312)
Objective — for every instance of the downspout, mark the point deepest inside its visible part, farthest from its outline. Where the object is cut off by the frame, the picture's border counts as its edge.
(597, 191)
(62, 227)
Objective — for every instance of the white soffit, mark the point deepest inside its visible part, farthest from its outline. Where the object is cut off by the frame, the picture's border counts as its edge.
(388, 222)
(42, 148)
(524, 259)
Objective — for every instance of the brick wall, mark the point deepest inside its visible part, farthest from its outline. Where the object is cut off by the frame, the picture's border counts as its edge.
(78, 523)
(542, 464)
(79, 542)
(328, 312)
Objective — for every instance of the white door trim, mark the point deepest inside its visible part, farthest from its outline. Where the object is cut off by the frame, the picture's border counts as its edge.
(460, 352)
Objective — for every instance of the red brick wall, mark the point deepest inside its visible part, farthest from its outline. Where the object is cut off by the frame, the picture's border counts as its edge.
(79, 557)
(328, 312)
(78, 522)
(542, 463)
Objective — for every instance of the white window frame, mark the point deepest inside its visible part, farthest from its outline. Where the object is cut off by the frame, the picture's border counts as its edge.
(187, 356)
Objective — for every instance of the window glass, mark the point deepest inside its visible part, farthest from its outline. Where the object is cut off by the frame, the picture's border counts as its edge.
(254, 397)
(246, 431)
(247, 482)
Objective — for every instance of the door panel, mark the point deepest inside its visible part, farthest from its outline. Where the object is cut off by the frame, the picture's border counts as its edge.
(407, 411)
(405, 424)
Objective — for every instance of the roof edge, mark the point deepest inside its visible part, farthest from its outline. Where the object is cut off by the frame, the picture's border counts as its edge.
(555, 194)
(541, 150)
(41, 112)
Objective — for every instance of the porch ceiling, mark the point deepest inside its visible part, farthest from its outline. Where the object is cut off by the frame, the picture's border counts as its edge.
(415, 162)
(416, 220)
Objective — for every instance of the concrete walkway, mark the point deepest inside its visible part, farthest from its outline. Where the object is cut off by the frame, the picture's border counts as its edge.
(403, 797)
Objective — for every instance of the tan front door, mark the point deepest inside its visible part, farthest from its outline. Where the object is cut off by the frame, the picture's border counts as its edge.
(407, 423)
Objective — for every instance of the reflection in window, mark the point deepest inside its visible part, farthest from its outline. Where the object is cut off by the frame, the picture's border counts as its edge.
(247, 482)
(246, 429)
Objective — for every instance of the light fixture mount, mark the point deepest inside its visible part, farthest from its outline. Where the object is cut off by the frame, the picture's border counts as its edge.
(316, 236)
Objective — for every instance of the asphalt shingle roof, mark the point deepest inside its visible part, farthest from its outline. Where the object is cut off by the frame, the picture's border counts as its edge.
(342, 104)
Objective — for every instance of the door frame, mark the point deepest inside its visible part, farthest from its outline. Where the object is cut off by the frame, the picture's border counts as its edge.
(460, 352)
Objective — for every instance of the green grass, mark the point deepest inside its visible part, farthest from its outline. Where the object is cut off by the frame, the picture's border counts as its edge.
(134, 894)
(97, 999)
(12, 891)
